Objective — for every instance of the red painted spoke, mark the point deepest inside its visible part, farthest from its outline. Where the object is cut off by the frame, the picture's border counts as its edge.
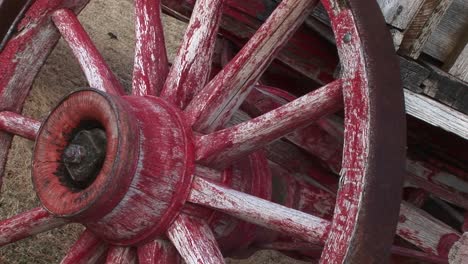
(88, 249)
(228, 144)
(191, 67)
(151, 64)
(158, 252)
(194, 241)
(424, 231)
(121, 255)
(93, 65)
(26, 224)
(258, 211)
(19, 125)
(213, 106)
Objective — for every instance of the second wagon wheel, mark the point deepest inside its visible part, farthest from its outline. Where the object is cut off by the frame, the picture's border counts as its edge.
(131, 168)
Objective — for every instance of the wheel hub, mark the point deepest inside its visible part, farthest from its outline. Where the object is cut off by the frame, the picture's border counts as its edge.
(95, 162)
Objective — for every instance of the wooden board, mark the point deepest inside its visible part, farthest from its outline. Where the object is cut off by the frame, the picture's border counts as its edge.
(422, 25)
(449, 32)
(436, 114)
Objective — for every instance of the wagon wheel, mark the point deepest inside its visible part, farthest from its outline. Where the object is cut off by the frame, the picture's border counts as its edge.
(136, 169)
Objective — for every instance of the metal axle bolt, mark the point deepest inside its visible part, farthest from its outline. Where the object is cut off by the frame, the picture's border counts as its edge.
(84, 155)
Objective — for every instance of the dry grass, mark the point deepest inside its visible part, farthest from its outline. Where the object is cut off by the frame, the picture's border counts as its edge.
(59, 76)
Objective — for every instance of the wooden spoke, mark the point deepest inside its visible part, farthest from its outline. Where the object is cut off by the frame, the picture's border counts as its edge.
(27, 224)
(158, 252)
(312, 138)
(424, 231)
(88, 249)
(439, 190)
(259, 211)
(151, 64)
(19, 125)
(191, 68)
(228, 144)
(194, 241)
(214, 105)
(96, 70)
(121, 255)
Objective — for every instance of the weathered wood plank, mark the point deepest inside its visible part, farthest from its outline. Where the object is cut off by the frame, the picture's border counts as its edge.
(447, 89)
(413, 75)
(450, 31)
(457, 63)
(436, 114)
(422, 25)
(399, 13)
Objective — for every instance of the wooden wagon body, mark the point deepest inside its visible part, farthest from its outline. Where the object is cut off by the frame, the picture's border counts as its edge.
(289, 117)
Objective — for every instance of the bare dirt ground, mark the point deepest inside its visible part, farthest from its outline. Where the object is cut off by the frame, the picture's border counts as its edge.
(110, 24)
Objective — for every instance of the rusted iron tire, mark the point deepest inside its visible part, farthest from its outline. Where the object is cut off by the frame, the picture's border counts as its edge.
(153, 169)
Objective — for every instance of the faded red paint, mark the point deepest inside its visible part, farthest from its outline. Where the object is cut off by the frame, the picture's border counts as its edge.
(151, 65)
(215, 104)
(158, 251)
(87, 249)
(27, 224)
(19, 125)
(191, 67)
(23, 56)
(97, 72)
(140, 193)
(121, 255)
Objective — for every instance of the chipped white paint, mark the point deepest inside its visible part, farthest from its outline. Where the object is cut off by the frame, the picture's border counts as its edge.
(194, 241)
(121, 255)
(88, 249)
(151, 63)
(192, 65)
(227, 144)
(97, 72)
(19, 125)
(216, 103)
(26, 224)
(421, 229)
(259, 211)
